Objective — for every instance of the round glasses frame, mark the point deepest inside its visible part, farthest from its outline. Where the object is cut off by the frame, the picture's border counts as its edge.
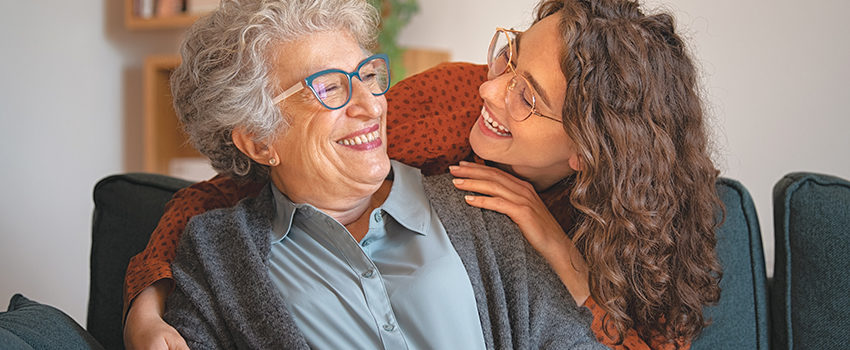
(308, 82)
(495, 69)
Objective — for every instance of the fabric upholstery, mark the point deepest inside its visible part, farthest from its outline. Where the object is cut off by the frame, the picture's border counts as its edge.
(30, 325)
(126, 210)
(809, 302)
(740, 319)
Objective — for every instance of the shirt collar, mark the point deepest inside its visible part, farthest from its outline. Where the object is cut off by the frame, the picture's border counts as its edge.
(406, 203)
(284, 213)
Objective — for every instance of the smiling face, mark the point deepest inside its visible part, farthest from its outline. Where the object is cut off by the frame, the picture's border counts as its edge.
(328, 156)
(536, 149)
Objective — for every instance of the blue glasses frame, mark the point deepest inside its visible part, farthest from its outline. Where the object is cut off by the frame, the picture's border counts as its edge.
(308, 82)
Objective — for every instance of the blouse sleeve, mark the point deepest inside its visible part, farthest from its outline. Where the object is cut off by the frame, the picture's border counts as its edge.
(632, 340)
(153, 263)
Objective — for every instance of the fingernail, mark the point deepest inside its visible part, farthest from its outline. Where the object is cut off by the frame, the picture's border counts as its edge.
(469, 198)
(457, 181)
(463, 162)
(452, 167)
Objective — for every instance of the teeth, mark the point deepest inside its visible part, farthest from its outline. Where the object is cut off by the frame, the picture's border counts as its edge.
(494, 125)
(361, 139)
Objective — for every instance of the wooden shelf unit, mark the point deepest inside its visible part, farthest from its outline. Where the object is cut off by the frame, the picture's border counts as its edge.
(163, 137)
(133, 22)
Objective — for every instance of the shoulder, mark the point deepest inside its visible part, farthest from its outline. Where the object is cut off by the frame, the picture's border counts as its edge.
(248, 219)
(217, 192)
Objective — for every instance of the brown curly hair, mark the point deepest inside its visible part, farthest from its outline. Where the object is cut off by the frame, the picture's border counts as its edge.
(645, 199)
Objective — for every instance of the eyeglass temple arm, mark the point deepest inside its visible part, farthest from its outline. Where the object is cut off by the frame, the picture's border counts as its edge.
(289, 92)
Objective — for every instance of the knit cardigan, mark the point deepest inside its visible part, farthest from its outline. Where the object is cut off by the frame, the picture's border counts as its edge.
(225, 298)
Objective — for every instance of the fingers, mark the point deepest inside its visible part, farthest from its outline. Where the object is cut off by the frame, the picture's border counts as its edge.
(520, 214)
(484, 172)
(490, 181)
(490, 188)
(176, 342)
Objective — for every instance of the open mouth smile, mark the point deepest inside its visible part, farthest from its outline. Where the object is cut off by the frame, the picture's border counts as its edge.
(364, 139)
(493, 125)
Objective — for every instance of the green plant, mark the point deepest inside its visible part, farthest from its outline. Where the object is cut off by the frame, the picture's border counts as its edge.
(395, 14)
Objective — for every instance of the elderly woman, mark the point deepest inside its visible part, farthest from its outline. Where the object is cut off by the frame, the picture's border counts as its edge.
(343, 248)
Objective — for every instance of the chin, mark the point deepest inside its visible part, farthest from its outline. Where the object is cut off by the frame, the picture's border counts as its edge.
(377, 169)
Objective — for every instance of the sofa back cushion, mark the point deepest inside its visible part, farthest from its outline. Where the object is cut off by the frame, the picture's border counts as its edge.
(740, 319)
(126, 210)
(30, 325)
(809, 301)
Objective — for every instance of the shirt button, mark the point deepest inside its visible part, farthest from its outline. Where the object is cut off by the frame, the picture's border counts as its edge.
(389, 327)
(366, 243)
(368, 274)
(378, 217)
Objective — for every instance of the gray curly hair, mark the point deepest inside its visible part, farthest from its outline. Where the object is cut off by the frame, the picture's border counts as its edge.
(225, 81)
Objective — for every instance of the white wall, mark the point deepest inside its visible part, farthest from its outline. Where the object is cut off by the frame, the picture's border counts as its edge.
(70, 106)
(776, 78)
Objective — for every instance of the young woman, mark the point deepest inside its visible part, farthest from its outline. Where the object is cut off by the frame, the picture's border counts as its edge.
(594, 121)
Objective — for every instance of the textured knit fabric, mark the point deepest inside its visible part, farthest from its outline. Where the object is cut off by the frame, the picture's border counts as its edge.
(809, 303)
(428, 121)
(225, 299)
(345, 294)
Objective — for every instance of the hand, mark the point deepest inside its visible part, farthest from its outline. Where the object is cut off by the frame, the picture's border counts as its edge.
(518, 200)
(145, 328)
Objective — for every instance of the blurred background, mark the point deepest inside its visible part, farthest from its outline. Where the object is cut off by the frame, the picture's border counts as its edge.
(72, 106)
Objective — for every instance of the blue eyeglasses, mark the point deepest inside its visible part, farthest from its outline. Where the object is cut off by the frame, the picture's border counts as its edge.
(332, 87)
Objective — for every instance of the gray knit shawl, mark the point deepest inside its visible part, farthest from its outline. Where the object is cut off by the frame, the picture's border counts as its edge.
(225, 299)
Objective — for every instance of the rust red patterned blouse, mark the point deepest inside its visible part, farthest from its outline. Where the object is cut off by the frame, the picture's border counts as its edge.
(428, 121)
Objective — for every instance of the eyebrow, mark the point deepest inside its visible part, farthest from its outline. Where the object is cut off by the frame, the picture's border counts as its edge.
(534, 84)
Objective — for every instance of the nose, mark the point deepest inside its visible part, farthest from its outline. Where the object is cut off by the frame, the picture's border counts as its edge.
(363, 103)
(493, 91)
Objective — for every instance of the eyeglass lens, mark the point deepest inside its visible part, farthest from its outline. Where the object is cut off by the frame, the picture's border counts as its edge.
(501, 53)
(334, 88)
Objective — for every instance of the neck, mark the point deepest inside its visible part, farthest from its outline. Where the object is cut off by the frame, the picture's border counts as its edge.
(359, 226)
(541, 178)
(350, 205)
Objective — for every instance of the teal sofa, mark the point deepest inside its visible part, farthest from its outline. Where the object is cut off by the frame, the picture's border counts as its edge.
(128, 206)
(811, 278)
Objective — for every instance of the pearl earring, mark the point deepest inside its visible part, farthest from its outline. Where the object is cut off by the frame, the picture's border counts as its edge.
(273, 161)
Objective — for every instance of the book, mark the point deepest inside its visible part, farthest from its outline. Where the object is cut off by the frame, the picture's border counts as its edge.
(143, 8)
(167, 8)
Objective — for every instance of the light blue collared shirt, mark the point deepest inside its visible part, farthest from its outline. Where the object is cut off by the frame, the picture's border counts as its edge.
(402, 286)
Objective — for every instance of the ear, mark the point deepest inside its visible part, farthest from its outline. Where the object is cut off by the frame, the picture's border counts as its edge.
(258, 151)
(576, 163)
